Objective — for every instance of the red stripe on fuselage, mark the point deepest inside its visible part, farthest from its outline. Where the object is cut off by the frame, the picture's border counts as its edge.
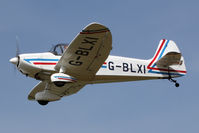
(44, 63)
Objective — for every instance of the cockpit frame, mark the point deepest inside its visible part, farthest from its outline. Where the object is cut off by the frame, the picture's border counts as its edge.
(58, 49)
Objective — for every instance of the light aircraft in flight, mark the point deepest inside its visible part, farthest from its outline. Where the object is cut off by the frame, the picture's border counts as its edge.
(64, 70)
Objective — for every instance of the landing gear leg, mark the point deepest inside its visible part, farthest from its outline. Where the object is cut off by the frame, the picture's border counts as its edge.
(172, 80)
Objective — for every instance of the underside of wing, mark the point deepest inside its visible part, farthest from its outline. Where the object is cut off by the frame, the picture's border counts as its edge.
(87, 52)
(50, 92)
(171, 58)
(38, 88)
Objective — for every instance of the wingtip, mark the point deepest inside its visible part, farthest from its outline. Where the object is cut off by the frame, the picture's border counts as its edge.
(31, 98)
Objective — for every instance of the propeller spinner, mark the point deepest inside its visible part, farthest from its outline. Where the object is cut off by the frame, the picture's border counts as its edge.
(14, 60)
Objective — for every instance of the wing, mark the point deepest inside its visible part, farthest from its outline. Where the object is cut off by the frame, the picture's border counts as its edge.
(66, 90)
(87, 52)
(38, 88)
(171, 58)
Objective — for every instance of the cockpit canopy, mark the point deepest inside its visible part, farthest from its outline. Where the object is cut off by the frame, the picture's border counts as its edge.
(58, 49)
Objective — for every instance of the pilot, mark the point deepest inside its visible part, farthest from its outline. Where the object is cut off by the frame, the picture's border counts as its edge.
(65, 47)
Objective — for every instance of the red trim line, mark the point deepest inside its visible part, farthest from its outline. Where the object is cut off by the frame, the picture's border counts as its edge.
(94, 32)
(43, 63)
(105, 63)
(161, 69)
(156, 55)
(65, 79)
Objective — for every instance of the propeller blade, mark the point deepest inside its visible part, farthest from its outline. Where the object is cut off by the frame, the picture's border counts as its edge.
(17, 46)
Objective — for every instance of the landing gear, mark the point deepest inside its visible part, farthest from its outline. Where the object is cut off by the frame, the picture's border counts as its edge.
(59, 83)
(42, 102)
(172, 80)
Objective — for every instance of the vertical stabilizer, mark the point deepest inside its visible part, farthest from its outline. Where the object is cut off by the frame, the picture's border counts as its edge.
(167, 60)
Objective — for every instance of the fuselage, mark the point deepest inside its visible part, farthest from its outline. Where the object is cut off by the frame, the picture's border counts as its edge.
(114, 69)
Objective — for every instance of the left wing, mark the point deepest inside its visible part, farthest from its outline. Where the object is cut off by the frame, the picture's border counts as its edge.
(57, 92)
(87, 52)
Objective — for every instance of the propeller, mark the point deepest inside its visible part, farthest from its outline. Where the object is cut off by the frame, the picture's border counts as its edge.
(15, 60)
(17, 50)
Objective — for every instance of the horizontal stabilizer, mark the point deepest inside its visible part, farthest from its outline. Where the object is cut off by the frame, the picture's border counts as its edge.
(171, 58)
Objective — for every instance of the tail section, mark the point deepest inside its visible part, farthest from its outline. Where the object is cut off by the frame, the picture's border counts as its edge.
(167, 60)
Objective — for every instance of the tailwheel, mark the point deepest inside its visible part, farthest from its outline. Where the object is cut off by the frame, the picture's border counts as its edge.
(174, 81)
(177, 84)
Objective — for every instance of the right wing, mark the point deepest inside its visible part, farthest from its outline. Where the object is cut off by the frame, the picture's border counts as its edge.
(66, 90)
(87, 52)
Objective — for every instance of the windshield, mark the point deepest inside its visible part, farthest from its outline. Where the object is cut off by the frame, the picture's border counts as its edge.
(58, 49)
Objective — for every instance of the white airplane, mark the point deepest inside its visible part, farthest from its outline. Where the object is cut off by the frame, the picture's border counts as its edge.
(64, 70)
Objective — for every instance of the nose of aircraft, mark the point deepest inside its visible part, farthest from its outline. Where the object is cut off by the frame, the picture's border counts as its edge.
(14, 60)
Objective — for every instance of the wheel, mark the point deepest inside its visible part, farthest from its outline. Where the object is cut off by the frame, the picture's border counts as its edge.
(177, 84)
(41, 102)
(59, 83)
